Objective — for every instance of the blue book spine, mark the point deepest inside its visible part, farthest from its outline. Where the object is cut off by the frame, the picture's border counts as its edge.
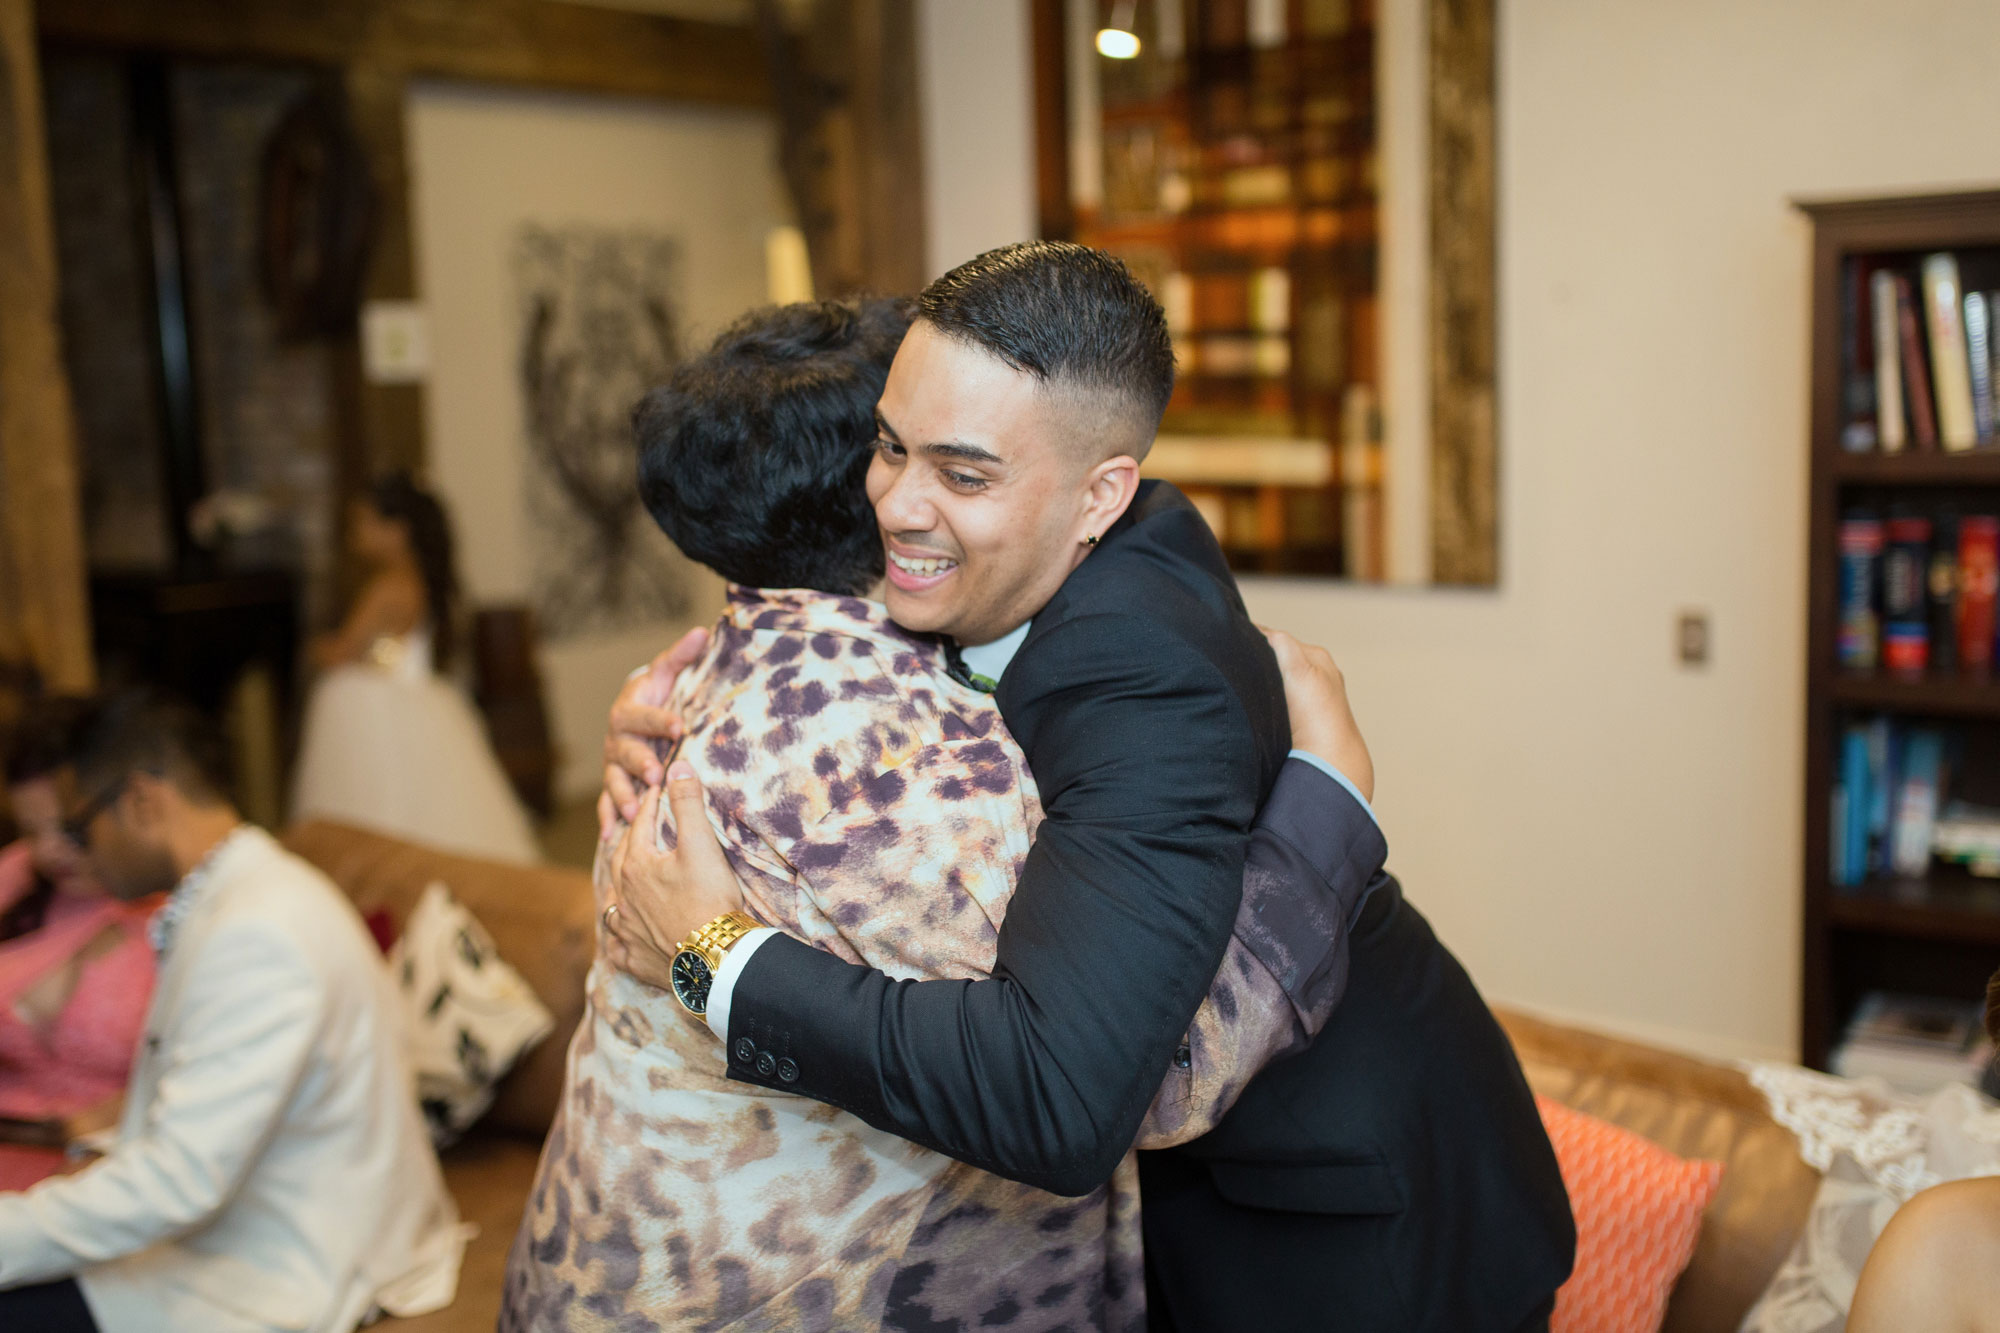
(1884, 750)
(1917, 803)
(1854, 777)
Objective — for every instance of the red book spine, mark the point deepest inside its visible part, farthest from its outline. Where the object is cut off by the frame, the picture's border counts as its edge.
(1916, 376)
(1978, 575)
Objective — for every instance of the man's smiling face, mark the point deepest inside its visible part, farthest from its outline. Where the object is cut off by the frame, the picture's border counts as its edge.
(983, 495)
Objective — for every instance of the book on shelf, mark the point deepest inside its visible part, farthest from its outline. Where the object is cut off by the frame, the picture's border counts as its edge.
(1905, 595)
(1917, 594)
(1861, 539)
(1915, 1043)
(1232, 168)
(1240, 460)
(1861, 430)
(1991, 300)
(1266, 23)
(1227, 23)
(1328, 18)
(1255, 520)
(1892, 781)
(1920, 365)
(1979, 360)
(1978, 571)
(1889, 424)
(1222, 300)
(1913, 826)
(1177, 302)
(1885, 752)
(1942, 590)
(1969, 835)
(1951, 373)
(1916, 379)
(1850, 808)
(1270, 300)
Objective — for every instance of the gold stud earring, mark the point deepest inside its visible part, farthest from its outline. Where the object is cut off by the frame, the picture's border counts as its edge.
(1090, 541)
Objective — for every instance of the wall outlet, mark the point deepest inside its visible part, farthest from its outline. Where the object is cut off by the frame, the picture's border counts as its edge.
(1692, 638)
(395, 342)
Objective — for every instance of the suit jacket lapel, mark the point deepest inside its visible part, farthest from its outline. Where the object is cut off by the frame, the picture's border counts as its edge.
(170, 982)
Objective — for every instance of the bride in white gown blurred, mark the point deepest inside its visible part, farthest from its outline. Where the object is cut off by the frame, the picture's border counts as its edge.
(389, 744)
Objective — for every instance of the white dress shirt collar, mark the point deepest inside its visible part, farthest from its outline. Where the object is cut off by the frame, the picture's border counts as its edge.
(990, 659)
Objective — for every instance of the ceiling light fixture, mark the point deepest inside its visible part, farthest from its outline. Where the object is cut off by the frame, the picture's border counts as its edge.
(1116, 40)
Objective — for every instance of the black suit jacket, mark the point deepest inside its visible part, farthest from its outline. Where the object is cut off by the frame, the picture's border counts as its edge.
(1393, 1175)
(1153, 717)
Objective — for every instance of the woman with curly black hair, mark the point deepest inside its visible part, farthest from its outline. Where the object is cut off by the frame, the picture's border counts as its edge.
(389, 744)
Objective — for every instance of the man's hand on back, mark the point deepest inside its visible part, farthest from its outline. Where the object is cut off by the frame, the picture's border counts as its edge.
(1322, 722)
(660, 897)
(641, 727)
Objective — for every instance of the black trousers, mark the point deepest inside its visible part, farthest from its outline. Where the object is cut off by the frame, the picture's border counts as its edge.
(50, 1307)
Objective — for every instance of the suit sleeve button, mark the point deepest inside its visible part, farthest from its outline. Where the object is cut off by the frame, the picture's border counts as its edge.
(766, 1063)
(746, 1051)
(788, 1072)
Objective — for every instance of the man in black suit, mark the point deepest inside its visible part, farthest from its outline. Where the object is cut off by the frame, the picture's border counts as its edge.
(1392, 1176)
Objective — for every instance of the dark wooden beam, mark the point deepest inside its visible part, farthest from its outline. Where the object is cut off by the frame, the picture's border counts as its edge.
(890, 139)
(389, 417)
(44, 616)
(1050, 35)
(375, 48)
(851, 141)
(535, 43)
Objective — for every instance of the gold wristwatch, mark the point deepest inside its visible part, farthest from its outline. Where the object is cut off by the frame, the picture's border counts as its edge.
(697, 958)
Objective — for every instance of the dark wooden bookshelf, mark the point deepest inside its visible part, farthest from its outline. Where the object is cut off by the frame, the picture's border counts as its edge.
(1934, 694)
(1980, 467)
(1938, 934)
(1950, 904)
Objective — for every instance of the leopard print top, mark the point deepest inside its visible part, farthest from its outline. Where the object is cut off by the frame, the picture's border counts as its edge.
(878, 810)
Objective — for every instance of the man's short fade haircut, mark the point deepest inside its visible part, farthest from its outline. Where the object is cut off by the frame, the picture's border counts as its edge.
(1071, 316)
(141, 730)
(753, 457)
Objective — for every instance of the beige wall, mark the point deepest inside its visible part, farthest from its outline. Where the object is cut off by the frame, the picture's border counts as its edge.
(1597, 832)
(486, 161)
(979, 165)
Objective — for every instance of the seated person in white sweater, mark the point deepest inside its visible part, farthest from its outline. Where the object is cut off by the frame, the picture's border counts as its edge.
(271, 1169)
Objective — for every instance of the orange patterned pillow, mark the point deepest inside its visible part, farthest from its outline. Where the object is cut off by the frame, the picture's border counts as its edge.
(1638, 1213)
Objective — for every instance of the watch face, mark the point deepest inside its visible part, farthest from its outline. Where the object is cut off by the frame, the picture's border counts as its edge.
(692, 980)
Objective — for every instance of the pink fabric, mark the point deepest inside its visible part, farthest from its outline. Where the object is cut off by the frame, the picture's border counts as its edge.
(17, 872)
(21, 1167)
(83, 1057)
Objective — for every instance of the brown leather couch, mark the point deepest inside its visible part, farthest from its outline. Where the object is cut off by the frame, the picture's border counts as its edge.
(1694, 1109)
(540, 918)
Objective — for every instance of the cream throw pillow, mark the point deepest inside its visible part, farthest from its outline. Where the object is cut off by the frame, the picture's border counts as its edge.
(468, 1016)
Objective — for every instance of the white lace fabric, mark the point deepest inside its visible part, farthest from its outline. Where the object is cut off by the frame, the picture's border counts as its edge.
(1876, 1148)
